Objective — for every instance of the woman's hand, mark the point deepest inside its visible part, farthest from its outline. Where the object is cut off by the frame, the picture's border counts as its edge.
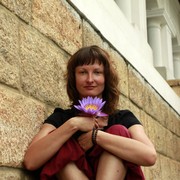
(87, 123)
(101, 121)
(85, 140)
(82, 123)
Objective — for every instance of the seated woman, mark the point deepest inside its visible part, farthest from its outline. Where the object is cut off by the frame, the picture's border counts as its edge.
(73, 144)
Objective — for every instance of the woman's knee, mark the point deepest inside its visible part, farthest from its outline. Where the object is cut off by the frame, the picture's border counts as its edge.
(71, 171)
(119, 130)
(110, 167)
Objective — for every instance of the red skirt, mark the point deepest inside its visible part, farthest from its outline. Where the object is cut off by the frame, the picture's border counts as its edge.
(87, 162)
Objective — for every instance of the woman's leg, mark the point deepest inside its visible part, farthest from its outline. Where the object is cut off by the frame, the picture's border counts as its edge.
(110, 167)
(71, 171)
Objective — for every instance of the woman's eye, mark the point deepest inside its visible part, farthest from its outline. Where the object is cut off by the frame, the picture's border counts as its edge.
(82, 72)
(98, 72)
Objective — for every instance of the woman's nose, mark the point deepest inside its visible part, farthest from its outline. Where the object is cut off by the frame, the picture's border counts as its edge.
(90, 77)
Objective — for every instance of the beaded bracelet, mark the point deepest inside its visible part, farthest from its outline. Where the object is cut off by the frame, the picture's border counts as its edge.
(94, 135)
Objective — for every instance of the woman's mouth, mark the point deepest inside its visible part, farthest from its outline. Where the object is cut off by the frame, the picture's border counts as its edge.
(89, 87)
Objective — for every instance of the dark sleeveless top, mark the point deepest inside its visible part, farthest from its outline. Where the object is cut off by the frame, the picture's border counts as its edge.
(122, 117)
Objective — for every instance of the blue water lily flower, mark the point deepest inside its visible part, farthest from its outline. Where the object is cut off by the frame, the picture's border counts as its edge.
(91, 106)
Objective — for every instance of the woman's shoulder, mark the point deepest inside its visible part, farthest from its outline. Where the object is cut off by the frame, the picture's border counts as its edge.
(59, 116)
(124, 117)
(122, 113)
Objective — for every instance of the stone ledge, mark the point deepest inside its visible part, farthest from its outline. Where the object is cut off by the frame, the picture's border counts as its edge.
(175, 85)
(174, 82)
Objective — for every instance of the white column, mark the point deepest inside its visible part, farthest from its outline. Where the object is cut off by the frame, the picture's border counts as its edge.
(167, 56)
(135, 12)
(154, 38)
(177, 68)
(139, 19)
(125, 6)
(176, 58)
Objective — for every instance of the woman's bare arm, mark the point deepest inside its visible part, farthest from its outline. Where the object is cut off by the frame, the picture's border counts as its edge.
(138, 150)
(46, 143)
(49, 140)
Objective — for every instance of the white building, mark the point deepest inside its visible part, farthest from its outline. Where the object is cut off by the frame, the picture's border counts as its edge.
(146, 33)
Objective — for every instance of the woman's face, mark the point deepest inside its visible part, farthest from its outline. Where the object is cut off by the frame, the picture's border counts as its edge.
(90, 80)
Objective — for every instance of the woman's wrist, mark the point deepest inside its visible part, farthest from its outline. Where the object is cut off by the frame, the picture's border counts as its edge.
(73, 124)
(94, 135)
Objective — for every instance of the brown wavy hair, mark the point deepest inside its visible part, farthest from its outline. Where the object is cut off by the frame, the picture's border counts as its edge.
(90, 55)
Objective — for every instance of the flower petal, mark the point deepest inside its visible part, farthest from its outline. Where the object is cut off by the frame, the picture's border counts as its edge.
(91, 106)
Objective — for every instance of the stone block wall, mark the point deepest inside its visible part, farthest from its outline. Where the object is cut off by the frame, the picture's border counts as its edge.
(36, 39)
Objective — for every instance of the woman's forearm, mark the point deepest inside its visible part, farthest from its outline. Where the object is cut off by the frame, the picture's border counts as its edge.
(43, 149)
(128, 149)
